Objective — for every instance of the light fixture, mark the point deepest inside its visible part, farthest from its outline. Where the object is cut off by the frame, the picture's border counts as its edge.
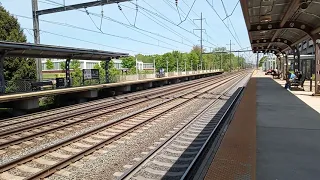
(304, 5)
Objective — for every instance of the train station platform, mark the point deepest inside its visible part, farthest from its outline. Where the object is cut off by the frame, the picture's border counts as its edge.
(274, 134)
(30, 100)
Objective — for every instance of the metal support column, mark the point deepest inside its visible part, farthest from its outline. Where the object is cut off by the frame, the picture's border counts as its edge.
(68, 74)
(296, 56)
(2, 82)
(36, 33)
(317, 67)
(106, 68)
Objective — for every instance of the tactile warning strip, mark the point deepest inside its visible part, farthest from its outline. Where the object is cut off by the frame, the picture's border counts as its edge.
(236, 156)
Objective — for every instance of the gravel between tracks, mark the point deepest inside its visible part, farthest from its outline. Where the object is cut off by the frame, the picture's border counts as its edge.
(24, 149)
(125, 150)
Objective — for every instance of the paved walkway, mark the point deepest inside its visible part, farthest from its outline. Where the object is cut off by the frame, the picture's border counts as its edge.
(288, 132)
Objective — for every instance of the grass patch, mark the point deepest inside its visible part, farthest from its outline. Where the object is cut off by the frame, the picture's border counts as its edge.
(53, 75)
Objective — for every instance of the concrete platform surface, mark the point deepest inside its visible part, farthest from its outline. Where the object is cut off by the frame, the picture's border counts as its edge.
(288, 133)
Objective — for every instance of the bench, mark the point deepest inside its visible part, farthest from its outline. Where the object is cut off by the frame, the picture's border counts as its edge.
(158, 75)
(297, 83)
(36, 86)
(276, 75)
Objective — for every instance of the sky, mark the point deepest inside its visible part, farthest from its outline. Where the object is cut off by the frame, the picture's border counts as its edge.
(156, 28)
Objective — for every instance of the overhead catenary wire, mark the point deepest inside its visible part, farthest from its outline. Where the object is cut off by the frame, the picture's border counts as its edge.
(192, 22)
(123, 24)
(224, 23)
(69, 37)
(89, 30)
(126, 25)
(161, 24)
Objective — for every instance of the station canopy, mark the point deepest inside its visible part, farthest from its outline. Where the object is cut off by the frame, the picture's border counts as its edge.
(278, 25)
(31, 50)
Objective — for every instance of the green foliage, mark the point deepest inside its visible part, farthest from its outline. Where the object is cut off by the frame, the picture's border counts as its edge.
(113, 72)
(76, 75)
(262, 60)
(63, 65)
(49, 64)
(128, 62)
(15, 68)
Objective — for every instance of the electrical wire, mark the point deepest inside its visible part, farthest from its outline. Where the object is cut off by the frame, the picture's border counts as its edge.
(80, 28)
(123, 24)
(161, 24)
(224, 23)
(92, 20)
(60, 35)
(120, 8)
(232, 10)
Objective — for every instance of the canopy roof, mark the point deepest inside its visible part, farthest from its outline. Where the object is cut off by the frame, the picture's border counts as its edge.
(47, 51)
(279, 24)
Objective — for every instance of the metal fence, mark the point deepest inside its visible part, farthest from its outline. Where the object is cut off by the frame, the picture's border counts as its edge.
(18, 86)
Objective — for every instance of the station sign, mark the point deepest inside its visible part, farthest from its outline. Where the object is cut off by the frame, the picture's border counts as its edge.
(90, 74)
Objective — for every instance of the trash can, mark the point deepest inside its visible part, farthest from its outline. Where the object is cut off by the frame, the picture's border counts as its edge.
(60, 82)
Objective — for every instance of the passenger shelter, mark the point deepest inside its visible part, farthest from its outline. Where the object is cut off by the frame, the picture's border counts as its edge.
(30, 50)
(279, 26)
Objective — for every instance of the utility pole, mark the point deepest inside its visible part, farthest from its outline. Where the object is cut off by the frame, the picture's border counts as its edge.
(36, 33)
(238, 61)
(230, 55)
(201, 47)
(191, 67)
(185, 66)
(36, 13)
(177, 67)
(167, 67)
(220, 62)
(154, 65)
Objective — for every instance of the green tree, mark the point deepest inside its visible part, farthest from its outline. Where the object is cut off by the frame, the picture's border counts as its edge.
(15, 68)
(113, 72)
(63, 65)
(262, 60)
(49, 64)
(128, 62)
(76, 75)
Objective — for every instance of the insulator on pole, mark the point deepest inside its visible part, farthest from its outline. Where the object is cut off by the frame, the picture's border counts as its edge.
(176, 2)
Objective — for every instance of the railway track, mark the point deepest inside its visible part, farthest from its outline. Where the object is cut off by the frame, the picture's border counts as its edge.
(176, 156)
(28, 132)
(60, 155)
(70, 111)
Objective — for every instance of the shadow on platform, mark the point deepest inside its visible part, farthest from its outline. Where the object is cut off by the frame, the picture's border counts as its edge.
(288, 131)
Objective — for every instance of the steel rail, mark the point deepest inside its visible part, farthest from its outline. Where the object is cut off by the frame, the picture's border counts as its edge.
(19, 140)
(51, 148)
(107, 100)
(80, 112)
(129, 172)
(48, 171)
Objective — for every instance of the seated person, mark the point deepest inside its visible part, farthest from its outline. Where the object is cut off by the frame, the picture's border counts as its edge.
(290, 79)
